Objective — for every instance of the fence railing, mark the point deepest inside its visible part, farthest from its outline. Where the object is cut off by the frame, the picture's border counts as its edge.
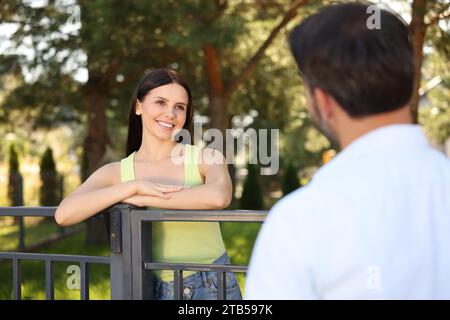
(130, 242)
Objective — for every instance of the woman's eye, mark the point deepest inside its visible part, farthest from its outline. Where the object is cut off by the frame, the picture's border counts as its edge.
(182, 108)
(160, 102)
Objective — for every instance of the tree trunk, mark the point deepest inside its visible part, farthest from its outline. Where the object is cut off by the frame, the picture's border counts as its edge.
(218, 104)
(417, 30)
(217, 100)
(94, 150)
(219, 93)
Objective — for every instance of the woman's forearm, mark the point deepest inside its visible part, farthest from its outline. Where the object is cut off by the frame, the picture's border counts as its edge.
(194, 198)
(78, 207)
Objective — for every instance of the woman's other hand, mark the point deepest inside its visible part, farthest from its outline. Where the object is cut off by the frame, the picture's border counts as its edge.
(148, 188)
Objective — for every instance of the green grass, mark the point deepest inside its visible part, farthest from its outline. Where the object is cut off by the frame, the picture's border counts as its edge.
(33, 273)
(238, 237)
(35, 232)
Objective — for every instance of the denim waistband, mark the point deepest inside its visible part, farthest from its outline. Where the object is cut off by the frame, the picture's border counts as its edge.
(223, 259)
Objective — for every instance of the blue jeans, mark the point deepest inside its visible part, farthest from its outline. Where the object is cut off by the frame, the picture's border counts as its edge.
(200, 285)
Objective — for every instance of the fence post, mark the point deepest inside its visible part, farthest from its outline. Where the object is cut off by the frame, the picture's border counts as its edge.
(118, 224)
(141, 253)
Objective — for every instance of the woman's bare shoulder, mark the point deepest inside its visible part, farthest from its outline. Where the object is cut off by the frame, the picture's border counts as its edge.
(113, 171)
(105, 176)
(109, 172)
(212, 156)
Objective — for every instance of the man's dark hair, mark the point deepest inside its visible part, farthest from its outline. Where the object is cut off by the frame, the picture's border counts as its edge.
(367, 71)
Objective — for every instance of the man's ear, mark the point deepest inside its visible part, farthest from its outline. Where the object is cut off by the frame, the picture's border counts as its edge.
(325, 103)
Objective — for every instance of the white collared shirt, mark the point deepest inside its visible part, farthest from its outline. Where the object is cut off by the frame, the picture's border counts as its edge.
(374, 223)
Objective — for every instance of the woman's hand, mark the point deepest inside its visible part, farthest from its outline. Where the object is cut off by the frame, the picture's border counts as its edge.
(148, 190)
(137, 200)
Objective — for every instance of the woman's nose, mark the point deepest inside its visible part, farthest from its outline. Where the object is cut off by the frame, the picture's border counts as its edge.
(170, 111)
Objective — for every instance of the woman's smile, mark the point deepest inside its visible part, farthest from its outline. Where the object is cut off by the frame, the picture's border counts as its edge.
(165, 125)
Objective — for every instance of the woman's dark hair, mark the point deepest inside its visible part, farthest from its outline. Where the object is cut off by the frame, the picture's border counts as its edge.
(367, 70)
(150, 81)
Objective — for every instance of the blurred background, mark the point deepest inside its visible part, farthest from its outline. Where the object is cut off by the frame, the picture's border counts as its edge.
(68, 70)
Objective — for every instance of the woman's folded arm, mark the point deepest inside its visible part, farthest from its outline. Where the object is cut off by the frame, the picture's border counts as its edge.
(98, 192)
(214, 194)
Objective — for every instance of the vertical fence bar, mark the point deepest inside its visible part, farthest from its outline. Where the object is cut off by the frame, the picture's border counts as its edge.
(141, 253)
(17, 280)
(21, 234)
(222, 285)
(178, 284)
(49, 284)
(62, 231)
(84, 266)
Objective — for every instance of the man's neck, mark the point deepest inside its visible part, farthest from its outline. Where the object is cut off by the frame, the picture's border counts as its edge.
(351, 129)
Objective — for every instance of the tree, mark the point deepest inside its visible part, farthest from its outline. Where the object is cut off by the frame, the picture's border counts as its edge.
(114, 42)
(15, 180)
(220, 91)
(252, 197)
(15, 190)
(437, 10)
(49, 193)
(434, 114)
(290, 179)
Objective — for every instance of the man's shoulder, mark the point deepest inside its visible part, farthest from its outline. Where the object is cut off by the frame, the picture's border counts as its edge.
(296, 204)
(301, 194)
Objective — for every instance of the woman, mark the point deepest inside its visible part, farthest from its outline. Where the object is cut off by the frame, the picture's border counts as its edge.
(160, 172)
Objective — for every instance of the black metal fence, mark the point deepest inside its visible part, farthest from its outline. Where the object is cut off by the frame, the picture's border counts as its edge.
(129, 229)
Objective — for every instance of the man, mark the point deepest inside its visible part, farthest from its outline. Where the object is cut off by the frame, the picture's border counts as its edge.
(374, 222)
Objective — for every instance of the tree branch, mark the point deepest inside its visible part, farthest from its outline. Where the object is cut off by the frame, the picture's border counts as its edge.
(444, 14)
(247, 70)
(23, 23)
(258, 5)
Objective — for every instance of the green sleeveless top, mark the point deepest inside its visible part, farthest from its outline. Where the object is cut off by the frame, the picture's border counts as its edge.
(181, 242)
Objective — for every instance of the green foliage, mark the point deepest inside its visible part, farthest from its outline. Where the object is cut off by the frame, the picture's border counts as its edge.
(436, 123)
(50, 189)
(118, 43)
(15, 181)
(434, 114)
(200, 22)
(290, 179)
(252, 196)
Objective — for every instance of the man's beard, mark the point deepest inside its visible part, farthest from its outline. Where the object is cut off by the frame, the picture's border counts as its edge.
(321, 125)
